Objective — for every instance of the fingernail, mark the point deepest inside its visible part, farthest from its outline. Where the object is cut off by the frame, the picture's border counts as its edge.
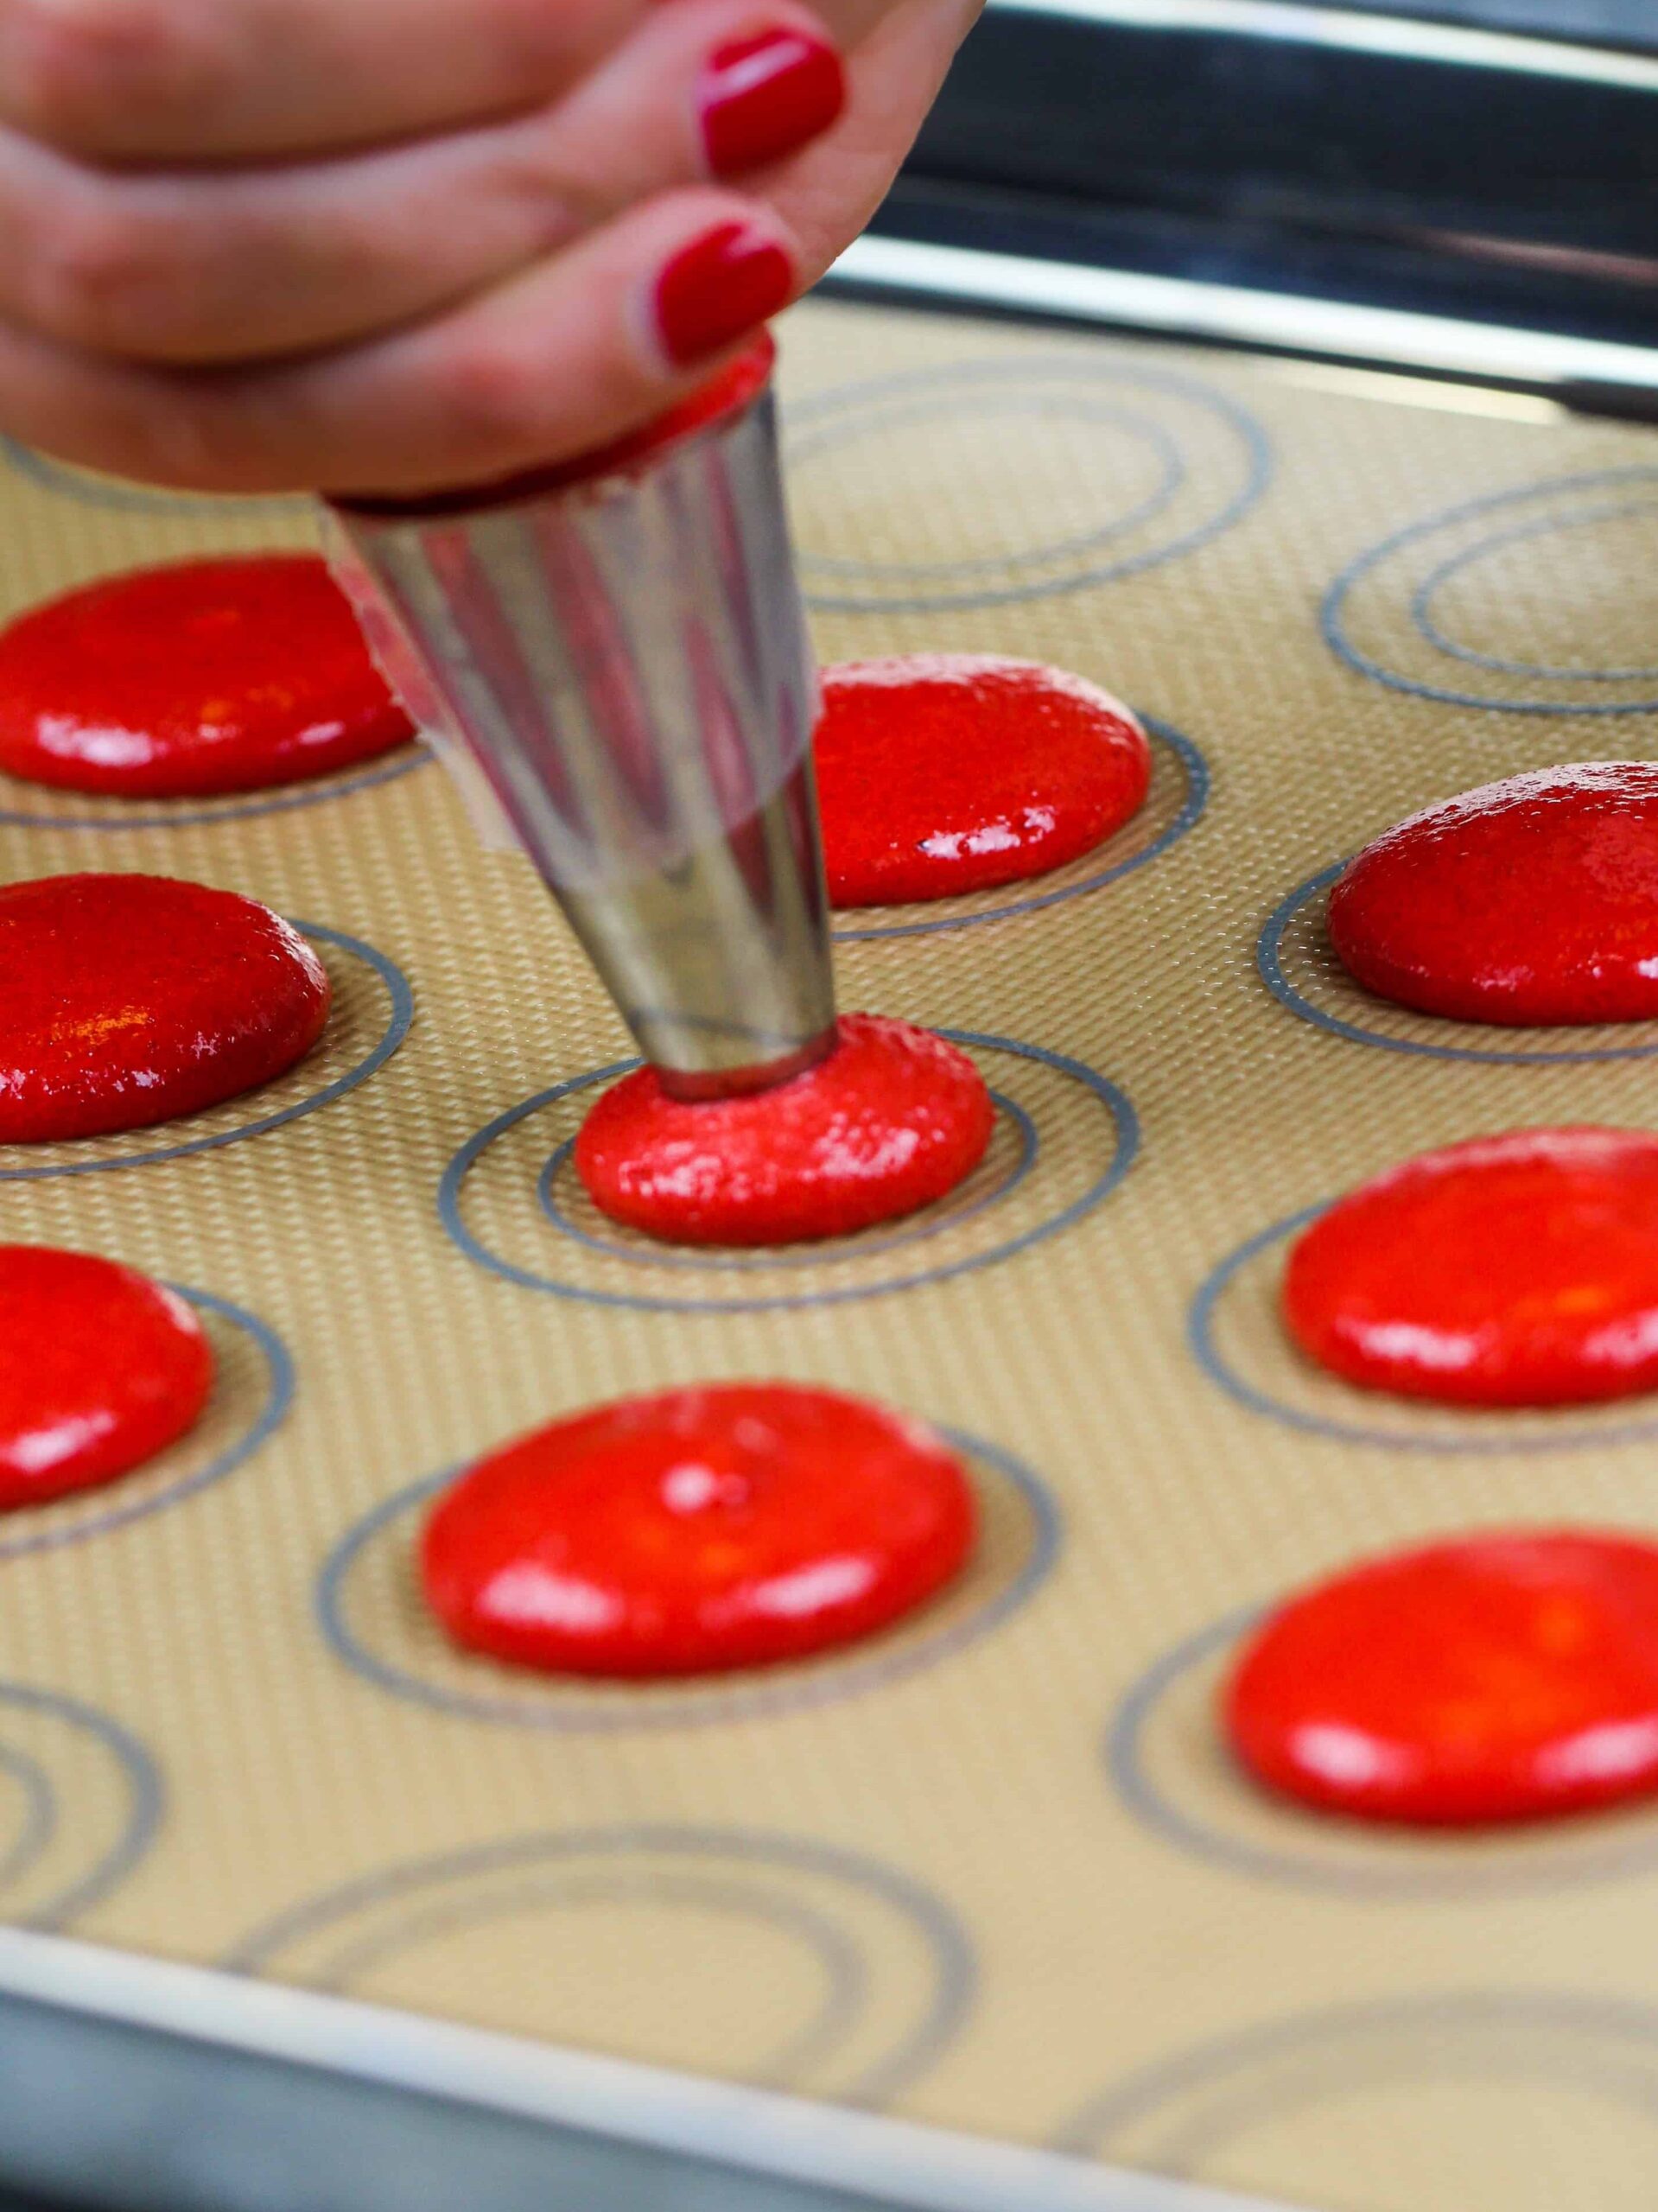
(760, 98)
(718, 288)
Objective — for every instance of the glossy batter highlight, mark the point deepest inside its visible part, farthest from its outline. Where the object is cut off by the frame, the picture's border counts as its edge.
(697, 1531)
(1492, 1678)
(100, 1369)
(229, 675)
(1512, 1270)
(892, 1120)
(1531, 901)
(939, 773)
(128, 1000)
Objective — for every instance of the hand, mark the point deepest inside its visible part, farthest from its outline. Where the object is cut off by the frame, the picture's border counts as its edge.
(397, 245)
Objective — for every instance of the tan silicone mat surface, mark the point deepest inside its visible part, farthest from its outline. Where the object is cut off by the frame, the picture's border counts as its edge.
(992, 1871)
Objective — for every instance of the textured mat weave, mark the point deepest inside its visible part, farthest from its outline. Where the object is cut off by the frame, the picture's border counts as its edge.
(992, 1872)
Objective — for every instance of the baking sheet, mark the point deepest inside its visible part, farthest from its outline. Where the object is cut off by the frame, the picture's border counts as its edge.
(990, 1872)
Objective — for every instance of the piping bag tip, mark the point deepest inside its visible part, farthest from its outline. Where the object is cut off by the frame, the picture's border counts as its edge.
(611, 657)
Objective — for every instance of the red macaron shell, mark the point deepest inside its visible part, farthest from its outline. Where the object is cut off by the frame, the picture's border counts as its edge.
(229, 675)
(1532, 900)
(1512, 1270)
(128, 1000)
(1490, 1678)
(697, 1531)
(100, 1369)
(892, 1120)
(940, 773)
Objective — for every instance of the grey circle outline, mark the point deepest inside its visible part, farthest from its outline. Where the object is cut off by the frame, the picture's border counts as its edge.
(40, 1814)
(1200, 1343)
(1257, 450)
(1422, 599)
(400, 1015)
(50, 474)
(1191, 812)
(1077, 406)
(1115, 1101)
(1270, 968)
(841, 1962)
(1029, 1148)
(406, 758)
(1089, 2131)
(946, 1940)
(1392, 1883)
(273, 1411)
(710, 1702)
(146, 1795)
(1332, 609)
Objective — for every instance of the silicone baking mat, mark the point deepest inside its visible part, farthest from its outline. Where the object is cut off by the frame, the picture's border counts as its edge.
(992, 1871)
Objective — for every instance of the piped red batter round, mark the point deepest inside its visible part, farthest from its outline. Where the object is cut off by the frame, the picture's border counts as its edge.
(697, 1531)
(1492, 1678)
(1534, 899)
(943, 772)
(126, 1000)
(1513, 1270)
(206, 676)
(100, 1369)
(891, 1121)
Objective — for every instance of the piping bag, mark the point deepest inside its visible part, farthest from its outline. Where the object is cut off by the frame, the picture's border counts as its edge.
(611, 658)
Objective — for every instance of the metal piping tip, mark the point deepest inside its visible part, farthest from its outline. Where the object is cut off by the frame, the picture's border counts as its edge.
(612, 658)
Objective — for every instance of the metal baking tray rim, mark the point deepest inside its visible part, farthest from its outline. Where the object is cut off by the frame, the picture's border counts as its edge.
(195, 2089)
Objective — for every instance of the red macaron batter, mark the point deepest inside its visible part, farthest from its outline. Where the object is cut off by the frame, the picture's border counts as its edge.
(697, 1531)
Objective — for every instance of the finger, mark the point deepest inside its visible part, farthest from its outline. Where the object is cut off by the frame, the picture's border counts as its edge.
(826, 194)
(178, 81)
(239, 265)
(564, 358)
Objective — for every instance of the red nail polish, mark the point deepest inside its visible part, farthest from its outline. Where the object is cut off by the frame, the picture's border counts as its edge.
(762, 97)
(720, 286)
